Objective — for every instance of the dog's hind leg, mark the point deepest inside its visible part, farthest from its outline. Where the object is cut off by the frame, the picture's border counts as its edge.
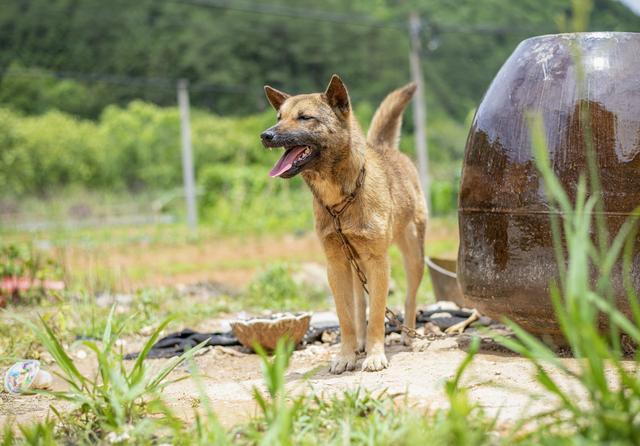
(360, 308)
(411, 244)
(340, 280)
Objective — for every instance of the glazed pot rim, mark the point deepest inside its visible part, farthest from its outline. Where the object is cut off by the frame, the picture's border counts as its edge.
(584, 35)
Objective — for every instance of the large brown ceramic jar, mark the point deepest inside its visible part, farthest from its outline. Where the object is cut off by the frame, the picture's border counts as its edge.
(506, 258)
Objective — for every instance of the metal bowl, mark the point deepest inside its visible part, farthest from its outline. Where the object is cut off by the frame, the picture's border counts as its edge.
(445, 280)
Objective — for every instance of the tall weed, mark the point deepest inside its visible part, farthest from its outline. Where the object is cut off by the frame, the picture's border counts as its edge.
(116, 400)
(604, 404)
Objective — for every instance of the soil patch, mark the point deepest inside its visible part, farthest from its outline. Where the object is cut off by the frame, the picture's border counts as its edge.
(502, 384)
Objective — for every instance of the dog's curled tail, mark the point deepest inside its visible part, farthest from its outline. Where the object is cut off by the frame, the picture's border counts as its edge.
(384, 130)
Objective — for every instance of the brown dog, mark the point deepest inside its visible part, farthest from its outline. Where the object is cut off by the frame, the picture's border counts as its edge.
(323, 141)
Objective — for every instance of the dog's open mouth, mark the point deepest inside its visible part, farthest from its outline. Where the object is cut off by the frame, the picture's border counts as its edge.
(292, 161)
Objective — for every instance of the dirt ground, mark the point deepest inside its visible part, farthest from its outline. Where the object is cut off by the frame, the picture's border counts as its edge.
(501, 384)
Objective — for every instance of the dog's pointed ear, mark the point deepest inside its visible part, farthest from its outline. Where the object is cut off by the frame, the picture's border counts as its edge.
(338, 96)
(275, 97)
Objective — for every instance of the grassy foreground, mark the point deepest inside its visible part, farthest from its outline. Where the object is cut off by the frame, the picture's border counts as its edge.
(123, 404)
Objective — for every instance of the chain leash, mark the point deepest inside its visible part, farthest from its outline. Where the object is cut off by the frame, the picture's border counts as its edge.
(335, 212)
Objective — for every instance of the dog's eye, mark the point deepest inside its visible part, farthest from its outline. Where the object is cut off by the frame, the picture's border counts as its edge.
(305, 117)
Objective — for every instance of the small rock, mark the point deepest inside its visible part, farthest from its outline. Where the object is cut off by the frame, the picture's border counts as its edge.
(420, 345)
(203, 351)
(431, 328)
(227, 351)
(81, 354)
(46, 358)
(393, 338)
(113, 437)
(147, 330)
(446, 344)
(330, 337)
(311, 351)
(442, 305)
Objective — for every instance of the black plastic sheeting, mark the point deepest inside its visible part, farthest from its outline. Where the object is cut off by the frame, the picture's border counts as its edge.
(177, 343)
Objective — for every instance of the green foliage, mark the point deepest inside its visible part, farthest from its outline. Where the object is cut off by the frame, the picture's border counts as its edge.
(22, 260)
(444, 197)
(244, 46)
(136, 150)
(464, 423)
(278, 414)
(115, 401)
(36, 91)
(43, 152)
(603, 405)
(237, 198)
(37, 434)
(360, 417)
(275, 288)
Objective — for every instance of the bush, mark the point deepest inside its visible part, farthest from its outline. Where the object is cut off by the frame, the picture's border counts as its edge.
(36, 91)
(276, 288)
(21, 262)
(40, 153)
(444, 197)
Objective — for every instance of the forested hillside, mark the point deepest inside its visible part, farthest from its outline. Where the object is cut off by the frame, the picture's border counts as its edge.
(87, 87)
(229, 49)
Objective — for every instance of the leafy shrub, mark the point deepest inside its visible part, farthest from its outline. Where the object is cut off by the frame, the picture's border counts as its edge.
(21, 261)
(444, 197)
(36, 91)
(40, 153)
(237, 198)
(141, 145)
(276, 288)
(233, 182)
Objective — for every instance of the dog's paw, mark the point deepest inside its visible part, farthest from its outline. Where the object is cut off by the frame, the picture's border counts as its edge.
(406, 340)
(343, 363)
(375, 362)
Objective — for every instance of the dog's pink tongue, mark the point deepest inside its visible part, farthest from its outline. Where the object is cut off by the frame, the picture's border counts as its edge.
(286, 161)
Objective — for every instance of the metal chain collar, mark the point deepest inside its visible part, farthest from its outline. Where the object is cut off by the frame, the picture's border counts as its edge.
(352, 255)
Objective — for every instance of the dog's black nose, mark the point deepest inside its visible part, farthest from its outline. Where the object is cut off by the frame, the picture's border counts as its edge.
(267, 135)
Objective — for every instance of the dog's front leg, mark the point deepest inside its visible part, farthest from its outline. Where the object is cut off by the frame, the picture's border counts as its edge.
(360, 312)
(378, 278)
(340, 280)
